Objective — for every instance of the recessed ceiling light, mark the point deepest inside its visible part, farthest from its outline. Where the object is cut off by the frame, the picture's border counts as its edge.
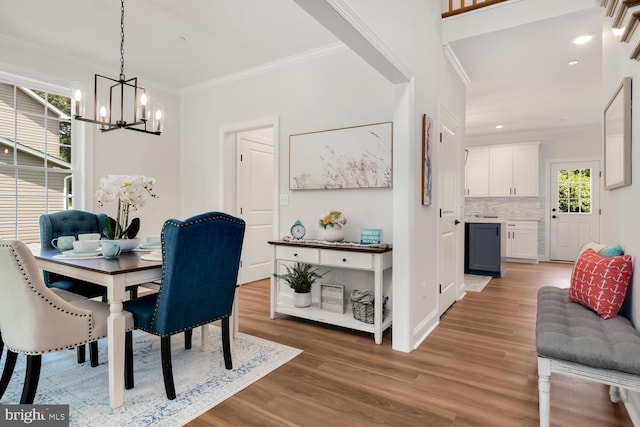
(584, 38)
(573, 62)
(499, 126)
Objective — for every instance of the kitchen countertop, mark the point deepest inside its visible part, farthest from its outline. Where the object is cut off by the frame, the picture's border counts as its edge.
(501, 220)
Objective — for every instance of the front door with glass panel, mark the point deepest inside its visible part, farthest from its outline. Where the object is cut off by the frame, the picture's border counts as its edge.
(574, 210)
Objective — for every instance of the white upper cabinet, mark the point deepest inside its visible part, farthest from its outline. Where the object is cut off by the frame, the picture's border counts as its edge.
(509, 170)
(477, 172)
(525, 170)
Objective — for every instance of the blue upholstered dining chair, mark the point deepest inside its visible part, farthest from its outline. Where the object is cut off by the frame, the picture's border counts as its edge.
(35, 319)
(71, 223)
(200, 261)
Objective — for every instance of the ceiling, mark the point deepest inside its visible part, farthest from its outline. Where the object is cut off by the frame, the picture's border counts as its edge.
(519, 76)
(172, 43)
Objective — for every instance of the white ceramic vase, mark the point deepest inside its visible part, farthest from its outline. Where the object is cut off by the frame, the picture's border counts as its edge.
(127, 245)
(302, 299)
(333, 234)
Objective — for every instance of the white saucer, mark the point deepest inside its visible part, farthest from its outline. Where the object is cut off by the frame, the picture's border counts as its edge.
(74, 254)
(149, 247)
(151, 257)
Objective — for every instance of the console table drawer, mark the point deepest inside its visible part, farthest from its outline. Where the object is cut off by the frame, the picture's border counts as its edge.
(347, 259)
(309, 255)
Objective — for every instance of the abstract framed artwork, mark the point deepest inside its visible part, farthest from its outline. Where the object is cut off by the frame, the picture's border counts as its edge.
(351, 157)
(617, 138)
(427, 134)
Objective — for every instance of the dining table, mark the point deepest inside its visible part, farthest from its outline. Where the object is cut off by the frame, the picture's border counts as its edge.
(116, 275)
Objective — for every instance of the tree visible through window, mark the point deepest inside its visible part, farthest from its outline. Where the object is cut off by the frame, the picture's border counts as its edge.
(35, 158)
(574, 191)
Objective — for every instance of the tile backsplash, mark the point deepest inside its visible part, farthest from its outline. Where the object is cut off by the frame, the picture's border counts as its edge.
(503, 207)
(514, 208)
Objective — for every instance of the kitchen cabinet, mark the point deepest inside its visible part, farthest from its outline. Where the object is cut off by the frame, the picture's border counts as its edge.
(513, 170)
(522, 241)
(477, 172)
(484, 249)
(508, 170)
(376, 261)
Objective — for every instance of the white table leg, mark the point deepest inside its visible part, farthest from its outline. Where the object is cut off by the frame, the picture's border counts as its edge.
(234, 323)
(116, 325)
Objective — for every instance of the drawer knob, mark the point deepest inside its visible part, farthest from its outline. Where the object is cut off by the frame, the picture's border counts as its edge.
(295, 254)
(344, 260)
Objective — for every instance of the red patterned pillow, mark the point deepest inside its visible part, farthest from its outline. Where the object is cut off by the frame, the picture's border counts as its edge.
(600, 283)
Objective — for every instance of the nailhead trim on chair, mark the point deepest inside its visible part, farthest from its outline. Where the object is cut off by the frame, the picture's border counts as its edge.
(21, 263)
(181, 224)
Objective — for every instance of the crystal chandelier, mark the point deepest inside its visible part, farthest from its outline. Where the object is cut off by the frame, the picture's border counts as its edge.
(116, 99)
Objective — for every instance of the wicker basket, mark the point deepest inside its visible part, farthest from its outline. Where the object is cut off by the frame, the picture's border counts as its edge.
(362, 303)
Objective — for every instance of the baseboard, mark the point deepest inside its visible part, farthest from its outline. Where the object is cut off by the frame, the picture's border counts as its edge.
(422, 331)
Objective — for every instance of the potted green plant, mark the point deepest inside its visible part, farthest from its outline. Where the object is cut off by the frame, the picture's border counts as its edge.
(300, 277)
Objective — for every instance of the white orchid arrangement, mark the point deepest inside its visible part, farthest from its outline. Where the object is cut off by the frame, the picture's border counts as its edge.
(131, 192)
(332, 218)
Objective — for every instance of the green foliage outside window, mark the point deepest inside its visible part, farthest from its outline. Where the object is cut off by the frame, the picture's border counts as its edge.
(63, 103)
(574, 190)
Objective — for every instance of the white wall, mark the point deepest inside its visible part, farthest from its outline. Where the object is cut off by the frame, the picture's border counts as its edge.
(620, 206)
(330, 92)
(412, 31)
(116, 152)
(327, 92)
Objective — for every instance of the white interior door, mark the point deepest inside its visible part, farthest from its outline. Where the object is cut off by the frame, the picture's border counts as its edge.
(447, 197)
(575, 207)
(255, 205)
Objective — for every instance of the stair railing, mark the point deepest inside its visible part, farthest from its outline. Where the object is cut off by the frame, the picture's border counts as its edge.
(457, 7)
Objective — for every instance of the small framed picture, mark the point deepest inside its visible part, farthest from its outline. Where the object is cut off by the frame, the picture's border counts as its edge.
(332, 297)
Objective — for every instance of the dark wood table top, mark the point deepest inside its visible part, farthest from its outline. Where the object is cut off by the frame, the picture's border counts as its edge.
(342, 246)
(124, 263)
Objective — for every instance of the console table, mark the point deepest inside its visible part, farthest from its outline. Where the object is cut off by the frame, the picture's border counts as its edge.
(366, 258)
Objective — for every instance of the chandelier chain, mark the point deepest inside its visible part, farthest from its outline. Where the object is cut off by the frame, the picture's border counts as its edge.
(122, 40)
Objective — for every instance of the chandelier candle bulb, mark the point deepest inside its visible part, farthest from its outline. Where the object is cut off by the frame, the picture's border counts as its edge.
(78, 98)
(143, 107)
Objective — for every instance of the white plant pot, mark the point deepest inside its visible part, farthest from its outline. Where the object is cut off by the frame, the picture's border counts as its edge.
(333, 234)
(127, 245)
(302, 300)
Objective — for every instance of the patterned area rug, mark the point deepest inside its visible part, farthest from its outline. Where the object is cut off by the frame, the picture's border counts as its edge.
(201, 380)
(475, 283)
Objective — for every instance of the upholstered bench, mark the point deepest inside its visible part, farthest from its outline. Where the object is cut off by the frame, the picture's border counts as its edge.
(574, 340)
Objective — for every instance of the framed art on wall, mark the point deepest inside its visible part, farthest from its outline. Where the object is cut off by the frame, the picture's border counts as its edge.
(427, 133)
(352, 157)
(617, 137)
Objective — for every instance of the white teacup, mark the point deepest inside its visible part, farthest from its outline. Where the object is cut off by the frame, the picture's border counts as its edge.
(89, 236)
(86, 246)
(110, 248)
(63, 243)
(152, 241)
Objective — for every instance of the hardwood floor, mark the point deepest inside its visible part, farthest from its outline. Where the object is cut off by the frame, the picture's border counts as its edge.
(477, 368)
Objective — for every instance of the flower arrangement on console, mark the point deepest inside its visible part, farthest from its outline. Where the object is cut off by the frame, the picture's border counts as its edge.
(131, 192)
(332, 218)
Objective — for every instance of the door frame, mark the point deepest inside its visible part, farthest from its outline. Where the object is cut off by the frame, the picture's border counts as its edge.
(227, 149)
(547, 196)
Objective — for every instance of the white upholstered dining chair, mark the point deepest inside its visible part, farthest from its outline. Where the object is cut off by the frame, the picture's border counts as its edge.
(35, 320)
